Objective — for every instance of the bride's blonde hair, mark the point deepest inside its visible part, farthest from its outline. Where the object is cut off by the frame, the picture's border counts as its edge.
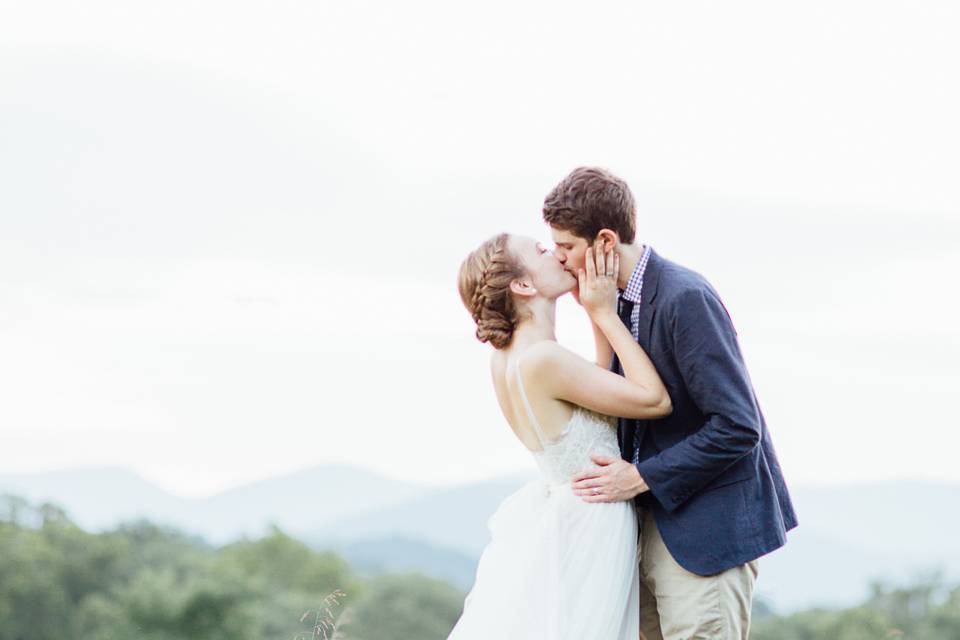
(484, 284)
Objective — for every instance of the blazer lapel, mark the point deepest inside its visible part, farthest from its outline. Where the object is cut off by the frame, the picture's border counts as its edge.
(631, 432)
(627, 429)
(648, 296)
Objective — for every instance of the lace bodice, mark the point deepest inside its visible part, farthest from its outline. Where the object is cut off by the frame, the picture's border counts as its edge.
(586, 433)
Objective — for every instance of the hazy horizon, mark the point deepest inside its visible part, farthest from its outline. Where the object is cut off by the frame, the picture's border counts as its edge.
(217, 254)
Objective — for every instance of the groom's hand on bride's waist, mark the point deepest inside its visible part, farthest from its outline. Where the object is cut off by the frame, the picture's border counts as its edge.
(615, 481)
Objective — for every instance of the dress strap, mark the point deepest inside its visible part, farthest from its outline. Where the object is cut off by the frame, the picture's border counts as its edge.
(526, 403)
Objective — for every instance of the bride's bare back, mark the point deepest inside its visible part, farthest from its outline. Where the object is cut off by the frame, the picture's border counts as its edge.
(551, 413)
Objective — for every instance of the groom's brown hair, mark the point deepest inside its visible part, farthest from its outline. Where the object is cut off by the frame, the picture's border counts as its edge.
(591, 199)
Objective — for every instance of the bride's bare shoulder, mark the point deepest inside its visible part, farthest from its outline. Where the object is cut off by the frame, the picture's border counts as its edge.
(537, 360)
(544, 357)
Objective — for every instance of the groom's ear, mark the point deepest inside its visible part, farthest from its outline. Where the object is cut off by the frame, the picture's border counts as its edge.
(610, 238)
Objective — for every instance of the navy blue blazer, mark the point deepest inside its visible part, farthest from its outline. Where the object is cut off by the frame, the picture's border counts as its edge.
(716, 490)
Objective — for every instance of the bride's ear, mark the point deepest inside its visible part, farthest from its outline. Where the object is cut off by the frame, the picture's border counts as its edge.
(522, 287)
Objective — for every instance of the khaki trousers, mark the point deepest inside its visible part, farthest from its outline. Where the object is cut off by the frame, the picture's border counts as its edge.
(678, 605)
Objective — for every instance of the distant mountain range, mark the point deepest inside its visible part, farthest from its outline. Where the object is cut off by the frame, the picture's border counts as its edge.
(404, 555)
(299, 502)
(454, 518)
(848, 536)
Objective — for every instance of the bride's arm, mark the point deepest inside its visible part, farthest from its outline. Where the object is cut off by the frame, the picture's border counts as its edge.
(640, 392)
(603, 349)
(602, 346)
(637, 366)
(598, 292)
(567, 376)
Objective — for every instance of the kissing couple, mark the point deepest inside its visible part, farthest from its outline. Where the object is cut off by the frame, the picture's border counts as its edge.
(659, 487)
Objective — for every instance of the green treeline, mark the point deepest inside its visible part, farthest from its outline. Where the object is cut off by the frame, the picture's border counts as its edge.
(140, 581)
(924, 611)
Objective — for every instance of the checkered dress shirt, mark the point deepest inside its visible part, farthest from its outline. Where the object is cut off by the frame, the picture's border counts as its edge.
(634, 289)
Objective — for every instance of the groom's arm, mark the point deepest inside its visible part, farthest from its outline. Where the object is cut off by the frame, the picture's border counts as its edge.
(709, 359)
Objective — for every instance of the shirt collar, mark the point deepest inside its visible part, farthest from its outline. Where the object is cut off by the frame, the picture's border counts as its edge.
(635, 284)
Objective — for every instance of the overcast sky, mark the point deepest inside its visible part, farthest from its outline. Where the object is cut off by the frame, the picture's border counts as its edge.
(229, 231)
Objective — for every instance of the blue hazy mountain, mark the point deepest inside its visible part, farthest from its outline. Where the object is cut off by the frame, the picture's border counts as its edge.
(454, 518)
(405, 555)
(303, 501)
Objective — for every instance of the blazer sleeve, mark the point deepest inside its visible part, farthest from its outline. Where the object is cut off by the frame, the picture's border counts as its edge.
(711, 365)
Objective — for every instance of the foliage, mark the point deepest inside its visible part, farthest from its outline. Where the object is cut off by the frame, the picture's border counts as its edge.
(924, 611)
(140, 581)
(406, 606)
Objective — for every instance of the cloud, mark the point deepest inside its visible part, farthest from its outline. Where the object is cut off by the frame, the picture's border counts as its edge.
(250, 233)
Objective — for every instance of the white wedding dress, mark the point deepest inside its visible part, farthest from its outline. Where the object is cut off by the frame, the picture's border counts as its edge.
(557, 567)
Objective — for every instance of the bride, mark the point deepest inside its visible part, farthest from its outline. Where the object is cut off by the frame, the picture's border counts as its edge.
(556, 565)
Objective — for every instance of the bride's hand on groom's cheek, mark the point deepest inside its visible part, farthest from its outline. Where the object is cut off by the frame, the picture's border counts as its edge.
(615, 481)
(597, 280)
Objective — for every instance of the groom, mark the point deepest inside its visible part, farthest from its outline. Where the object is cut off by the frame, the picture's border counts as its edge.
(708, 488)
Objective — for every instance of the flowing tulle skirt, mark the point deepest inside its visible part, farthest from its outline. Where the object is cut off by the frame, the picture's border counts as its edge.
(556, 567)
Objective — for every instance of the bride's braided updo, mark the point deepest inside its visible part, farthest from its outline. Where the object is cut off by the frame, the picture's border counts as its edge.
(484, 283)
